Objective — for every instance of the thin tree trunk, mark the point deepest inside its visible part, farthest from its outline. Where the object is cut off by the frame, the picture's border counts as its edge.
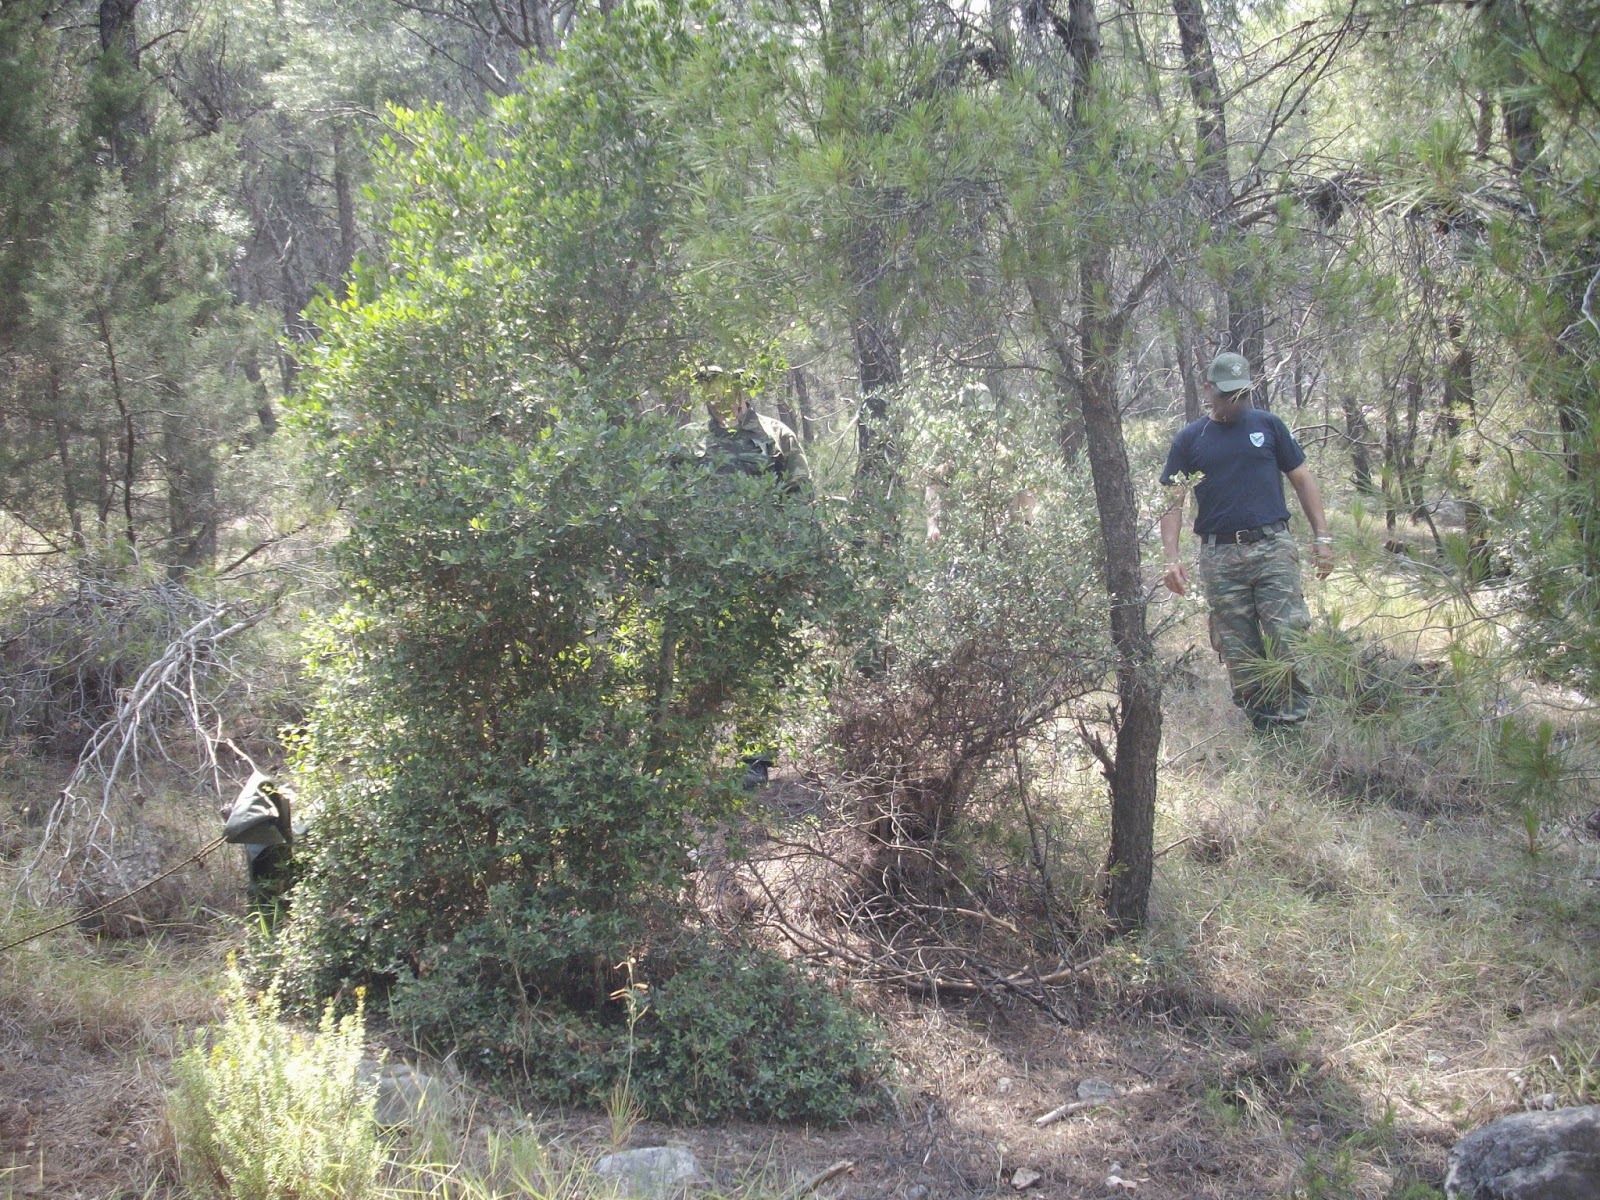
(1091, 368)
(191, 496)
(1359, 436)
(1246, 322)
(130, 441)
(1183, 348)
(1130, 860)
(796, 412)
(105, 483)
(69, 490)
(878, 363)
(344, 195)
(266, 415)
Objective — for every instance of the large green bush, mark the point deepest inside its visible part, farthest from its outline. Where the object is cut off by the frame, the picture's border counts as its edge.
(521, 712)
(558, 614)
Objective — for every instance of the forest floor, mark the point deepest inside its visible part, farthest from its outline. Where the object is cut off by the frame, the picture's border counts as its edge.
(1331, 991)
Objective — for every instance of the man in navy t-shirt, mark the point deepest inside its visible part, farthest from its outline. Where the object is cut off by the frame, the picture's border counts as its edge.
(1235, 461)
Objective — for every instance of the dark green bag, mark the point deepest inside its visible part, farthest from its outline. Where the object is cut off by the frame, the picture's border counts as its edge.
(259, 815)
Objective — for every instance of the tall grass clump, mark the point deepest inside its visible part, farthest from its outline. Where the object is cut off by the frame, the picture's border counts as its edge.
(263, 1111)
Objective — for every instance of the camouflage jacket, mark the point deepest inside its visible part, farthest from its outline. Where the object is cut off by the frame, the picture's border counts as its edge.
(758, 444)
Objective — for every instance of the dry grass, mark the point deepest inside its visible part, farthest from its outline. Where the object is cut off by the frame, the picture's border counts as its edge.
(87, 1027)
(1440, 973)
(86, 1032)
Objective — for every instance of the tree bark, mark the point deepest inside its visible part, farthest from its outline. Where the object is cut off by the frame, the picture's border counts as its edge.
(1183, 350)
(878, 365)
(191, 496)
(1245, 319)
(344, 196)
(797, 412)
(118, 29)
(1358, 434)
(1090, 369)
(1130, 860)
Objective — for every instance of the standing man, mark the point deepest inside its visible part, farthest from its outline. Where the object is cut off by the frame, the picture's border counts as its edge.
(741, 440)
(1249, 563)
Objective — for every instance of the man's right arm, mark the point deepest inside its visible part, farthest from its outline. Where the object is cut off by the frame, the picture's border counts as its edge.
(1177, 575)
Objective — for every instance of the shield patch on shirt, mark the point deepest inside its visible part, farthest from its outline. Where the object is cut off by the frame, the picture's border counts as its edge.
(1258, 440)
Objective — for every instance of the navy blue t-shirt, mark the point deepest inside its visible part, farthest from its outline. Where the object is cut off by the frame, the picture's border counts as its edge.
(1241, 467)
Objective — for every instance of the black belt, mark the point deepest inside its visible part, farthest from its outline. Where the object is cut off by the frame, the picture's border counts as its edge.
(1244, 537)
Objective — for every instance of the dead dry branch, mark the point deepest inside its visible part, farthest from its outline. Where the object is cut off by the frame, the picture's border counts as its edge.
(931, 932)
(171, 713)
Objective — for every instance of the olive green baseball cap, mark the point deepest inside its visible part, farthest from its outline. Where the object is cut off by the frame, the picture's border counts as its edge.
(1229, 372)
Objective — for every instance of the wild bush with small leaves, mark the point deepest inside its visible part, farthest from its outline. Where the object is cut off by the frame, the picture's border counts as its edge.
(262, 1110)
(995, 619)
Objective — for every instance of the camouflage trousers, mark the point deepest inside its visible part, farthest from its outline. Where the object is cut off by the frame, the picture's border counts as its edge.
(1258, 611)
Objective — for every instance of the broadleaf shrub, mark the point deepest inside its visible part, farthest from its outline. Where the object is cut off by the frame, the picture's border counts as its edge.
(559, 614)
(738, 1033)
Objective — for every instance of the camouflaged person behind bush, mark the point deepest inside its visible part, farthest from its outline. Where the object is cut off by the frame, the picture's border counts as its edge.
(740, 439)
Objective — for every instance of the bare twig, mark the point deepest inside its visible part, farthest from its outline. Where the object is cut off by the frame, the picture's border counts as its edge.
(178, 689)
(812, 1182)
(1066, 1110)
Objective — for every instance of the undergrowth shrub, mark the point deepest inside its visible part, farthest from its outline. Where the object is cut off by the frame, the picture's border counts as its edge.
(262, 1111)
(711, 1034)
(560, 617)
(743, 1034)
(1395, 729)
(992, 628)
(75, 638)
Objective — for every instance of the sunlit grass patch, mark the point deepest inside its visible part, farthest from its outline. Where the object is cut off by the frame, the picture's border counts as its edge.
(126, 996)
(1427, 955)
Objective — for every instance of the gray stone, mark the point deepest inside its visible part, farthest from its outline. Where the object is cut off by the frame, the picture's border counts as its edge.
(651, 1173)
(1097, 1089)
(1529, 1156)
(407, 1096)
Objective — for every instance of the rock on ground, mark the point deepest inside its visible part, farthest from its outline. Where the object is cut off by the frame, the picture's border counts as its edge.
(1529, 1156)
(651, 1173)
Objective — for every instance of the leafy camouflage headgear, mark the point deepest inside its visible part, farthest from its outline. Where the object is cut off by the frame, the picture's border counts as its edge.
(720, 390)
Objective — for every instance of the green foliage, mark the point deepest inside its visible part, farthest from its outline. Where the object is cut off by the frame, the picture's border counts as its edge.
(742, 1034)
(985, 634)
(261, 1111)
(559, 613)
(516, 728)
(1330, 1177)
(1395, 728)
(124, 339)
(704, 1034)
(1537, 766)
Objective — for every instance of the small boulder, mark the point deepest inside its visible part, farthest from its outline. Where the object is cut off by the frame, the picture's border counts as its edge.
(407, 1096)
(1529, 1156)
(652, 1173)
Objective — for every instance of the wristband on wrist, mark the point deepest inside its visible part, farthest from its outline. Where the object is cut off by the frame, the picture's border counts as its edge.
(1324, 540)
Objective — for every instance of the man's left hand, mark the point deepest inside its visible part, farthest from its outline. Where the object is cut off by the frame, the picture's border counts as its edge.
(1322, 553)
